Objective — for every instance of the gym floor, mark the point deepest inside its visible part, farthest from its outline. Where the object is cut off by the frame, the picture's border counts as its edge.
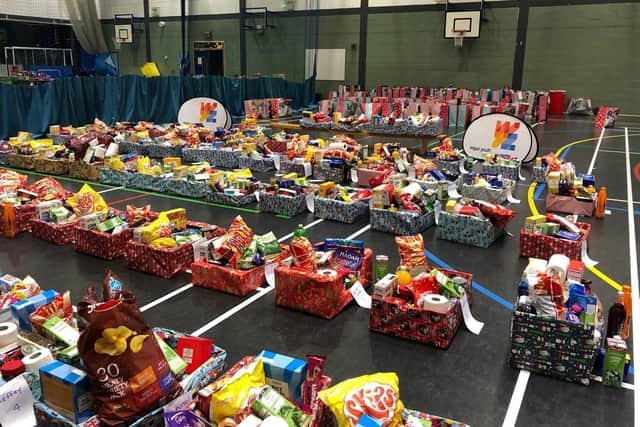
(470, 381)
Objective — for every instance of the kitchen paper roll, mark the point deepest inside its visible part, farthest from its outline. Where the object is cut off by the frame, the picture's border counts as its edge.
(35, 360)
(558, 265)
(434, 302)
(338, 146)
(328, 272)
(8, 334)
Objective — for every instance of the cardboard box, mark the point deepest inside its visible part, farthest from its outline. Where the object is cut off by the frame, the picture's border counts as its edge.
(284, 373)
(67, 391)
(21, 310)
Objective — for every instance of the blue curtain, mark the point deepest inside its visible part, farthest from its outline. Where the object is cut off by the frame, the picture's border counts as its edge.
(78, 100)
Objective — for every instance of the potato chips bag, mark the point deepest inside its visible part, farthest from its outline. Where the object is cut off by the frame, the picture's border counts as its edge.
(87, 201)
(156, 229)
(411, 250)
(235, 243)
(375, 395)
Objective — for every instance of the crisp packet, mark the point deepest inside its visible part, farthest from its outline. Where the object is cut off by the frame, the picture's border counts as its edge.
(498, 215)
(246, 261)
(267, 244)
(238, 238)
(87, 201)
(411, 250)
(302, 252)
(135, 214)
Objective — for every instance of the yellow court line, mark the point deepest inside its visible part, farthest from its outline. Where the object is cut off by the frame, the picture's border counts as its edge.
(534, 210)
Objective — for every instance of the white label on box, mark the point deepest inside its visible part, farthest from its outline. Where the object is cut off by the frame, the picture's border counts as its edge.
(310, 203)
(470, 322)
(354, 175)
(270, 273)
(16, 404)
(279, 386)
(363, 299)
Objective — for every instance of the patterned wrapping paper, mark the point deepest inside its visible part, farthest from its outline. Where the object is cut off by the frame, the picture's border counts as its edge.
(418, 324)
(431, 128)
(282, 205)
(4, 158)
(539, 174)
(133, 147)
(402, 223)
(256, 165)
(467, 229)
(337, 210)
(162, 262)
(490, 194)
(556, 348)
(114, 177)
(452, 167)
(337, 175)
(83, 170)
(192, 189)
(58, 234)
(540, 246)
(141, 181)
(511, 172)
(226, 199)
(289, 166)
(231, 280)
(215, 157)
(435, 420)
(570, 205)
(319, 126)
(102, 245)
(276, 146)
(50, 166)
(157, 151)
(316, 293)
(22, 161)
(60, 139)
(47, 417)
(24, 215)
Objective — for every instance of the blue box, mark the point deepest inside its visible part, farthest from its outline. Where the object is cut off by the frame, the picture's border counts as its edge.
(367, 421)
(587, 180)
(285, 374)
(21, 310)
(67, 390)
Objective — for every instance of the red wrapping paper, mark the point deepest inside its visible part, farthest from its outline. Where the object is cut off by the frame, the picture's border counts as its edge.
(58, 234)
(317, 294)
(540, 246)
(161, 262)
(24, 215)
(102, 245)
(230, 280)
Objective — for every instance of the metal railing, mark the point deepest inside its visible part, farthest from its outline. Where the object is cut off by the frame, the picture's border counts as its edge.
(27, 56)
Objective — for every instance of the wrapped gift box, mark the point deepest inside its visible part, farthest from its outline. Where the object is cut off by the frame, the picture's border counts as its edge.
(418, 324)
(157, 151)
(430, 420)
(364, 175)
(22, 161)
(24, 215)
(186, 188)
(541, 246)
(114, 177)
(556, 348)
(467, 229)
(133, 147)
(230, 280)
(58, 234)
(141, 181)
(85, 171)
(338, 210)
(256, 165)
(289, 166)
(490, 194)
(570, 205)
(282, 205)
(402, 223)
(51, 166)
(510, 172)
(316, 293)
(276, 146)
(196, 155)
(102, 245)
(226, 199)
(451, 167)
(327, 173)
(161, 262)
(4, 158)
(59, 139)
(222, 158)
(539, 174)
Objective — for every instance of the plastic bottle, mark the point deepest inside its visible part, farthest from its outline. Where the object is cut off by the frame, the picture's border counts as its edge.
(617, 316)
(626, 291)
(601, 203)
(300, 231)
(9, 220)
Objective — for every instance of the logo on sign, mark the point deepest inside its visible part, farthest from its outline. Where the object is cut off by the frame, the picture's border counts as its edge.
(505, 135)
(208, 111)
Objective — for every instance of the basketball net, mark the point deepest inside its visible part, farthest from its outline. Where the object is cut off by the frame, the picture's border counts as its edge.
(459, 38)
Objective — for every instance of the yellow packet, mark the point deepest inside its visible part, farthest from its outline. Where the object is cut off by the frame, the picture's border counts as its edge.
(154, 229)
(164, 242)
(116, 164)
(87, 201)
(234, 395)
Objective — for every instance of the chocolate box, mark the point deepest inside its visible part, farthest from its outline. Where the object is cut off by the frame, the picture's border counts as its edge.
(556, 348)
(466, 229)
(256, 165)
(157, 151)
(418, 324)
(114, 177)
(403, 223)
(231, 280)
(282, 205)
(51, 166)
(338, 210)
(102, 245)
(316, 293)
(22, 161)
(141, 181)
(58, 234)
(510, 172)
(86, 171)
(570, 205)
(24, 214)
(186, 188)
(540, 246)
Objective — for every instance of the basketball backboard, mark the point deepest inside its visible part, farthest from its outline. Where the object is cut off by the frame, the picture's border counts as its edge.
(457, 22)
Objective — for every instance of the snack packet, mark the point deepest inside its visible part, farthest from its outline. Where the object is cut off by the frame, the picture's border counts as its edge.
(348, 257)
(111, 287)
(233, 395)
(498, 215)
(156, 229)
(233, 244)
(411, 250)
(60, 307)
(48, 189)
(135, 214)
(302, 252)
(246, 261)
(267, 244)
(87, 201)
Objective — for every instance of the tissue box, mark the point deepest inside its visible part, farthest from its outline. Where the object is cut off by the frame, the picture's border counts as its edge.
(102, 245)
(338, 210)
(58, 234)
(67, 391)
(285, 374)
(21, 310)
(402, 223)
(570, 205)
(316, 293)
(466, 229)
(539, 246)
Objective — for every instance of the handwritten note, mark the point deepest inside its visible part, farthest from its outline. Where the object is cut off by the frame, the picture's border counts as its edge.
(363, 299)
(16, 404)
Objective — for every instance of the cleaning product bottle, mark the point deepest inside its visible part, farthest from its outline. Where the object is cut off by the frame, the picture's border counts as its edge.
(601, 203)
(626, 291)
(9, 220)
(300, 231)
(617, 316)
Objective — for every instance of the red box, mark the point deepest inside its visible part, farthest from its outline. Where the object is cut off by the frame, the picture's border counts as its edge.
(575, 271)
(102, 245)
(417, 324)
(24, 215)
(58, 234)
(231, 280)
(539, 246)
(194, 351)
(315, 293)
(570, 205)
(161, 262)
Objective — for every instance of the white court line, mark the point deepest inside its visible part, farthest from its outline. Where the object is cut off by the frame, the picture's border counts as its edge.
(595, 153)
(628, 386)
(311, 224)
(633, 268)
(166, 297)
(620, 200)
(359, 232)
(110, 189)
(516, 399)
(620, 152)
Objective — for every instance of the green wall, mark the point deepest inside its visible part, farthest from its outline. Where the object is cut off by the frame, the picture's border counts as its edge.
(591, 51)
(340, 32)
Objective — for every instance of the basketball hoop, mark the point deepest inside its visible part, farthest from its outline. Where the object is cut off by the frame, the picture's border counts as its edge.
(458, 39)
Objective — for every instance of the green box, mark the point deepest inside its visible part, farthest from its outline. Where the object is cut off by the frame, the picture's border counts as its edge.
(61, 331)
(109, 224)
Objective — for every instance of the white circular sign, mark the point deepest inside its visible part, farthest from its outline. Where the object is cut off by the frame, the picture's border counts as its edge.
(500, 133)
(206, 111)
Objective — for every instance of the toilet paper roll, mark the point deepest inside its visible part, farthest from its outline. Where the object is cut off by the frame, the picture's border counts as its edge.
(35, 360)
(8, 334)
(338, 146)
(328, 272)
(558, 265)
(434, 302)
